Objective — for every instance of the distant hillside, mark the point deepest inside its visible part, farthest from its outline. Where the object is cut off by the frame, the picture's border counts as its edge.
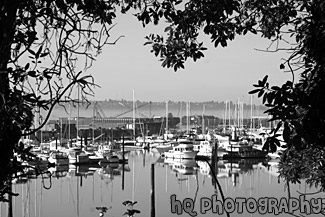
(123, 108)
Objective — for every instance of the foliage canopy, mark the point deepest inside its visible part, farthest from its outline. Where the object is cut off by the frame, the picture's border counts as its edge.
(45, 48)
(295, 26)
(43, 42)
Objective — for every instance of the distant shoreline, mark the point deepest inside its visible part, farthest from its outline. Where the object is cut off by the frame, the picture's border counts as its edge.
(124, 108)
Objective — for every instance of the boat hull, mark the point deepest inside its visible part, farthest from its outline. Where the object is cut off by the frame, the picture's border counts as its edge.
(59, 162)
(250, 153)
(181, 155)
(58, 158)
(163, 148)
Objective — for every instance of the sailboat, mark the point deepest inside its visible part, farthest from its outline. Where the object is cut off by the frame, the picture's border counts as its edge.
(75, 153)
(242, 149)
(165, 146)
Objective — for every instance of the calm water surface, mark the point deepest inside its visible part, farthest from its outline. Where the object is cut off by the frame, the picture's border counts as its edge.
(80, 191)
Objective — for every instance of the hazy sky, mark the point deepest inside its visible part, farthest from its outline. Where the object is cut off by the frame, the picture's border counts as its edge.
(223, 74)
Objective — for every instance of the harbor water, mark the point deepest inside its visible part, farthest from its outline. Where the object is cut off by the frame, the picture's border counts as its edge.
(159, 187)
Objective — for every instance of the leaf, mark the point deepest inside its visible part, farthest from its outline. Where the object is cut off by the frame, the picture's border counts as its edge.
(131, 212)
(278, 126)
(264, 80)
(168, 29)
(28, 149)
(127, 202)
(277, 142)
(31, 51)
(260, 93)
(254, 91)
(253, 31)
(38, 52)
(282, 66)
(273, 146)
(148, 42)
(32, 74)
(276, 88)
(265, 97)
(26, 66)
(297, 142)
(216, 43)
(270, 97)
(286, 132)
(266, 145)
(284, 146)
(44, 54)
(223, 43)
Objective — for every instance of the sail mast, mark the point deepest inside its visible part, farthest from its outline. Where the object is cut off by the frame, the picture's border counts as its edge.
(166, 118)
(180, 115)
(203, 113)
(133, 114)
(78, 90)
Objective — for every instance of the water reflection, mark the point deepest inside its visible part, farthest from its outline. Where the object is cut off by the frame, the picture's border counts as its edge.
(86, 191)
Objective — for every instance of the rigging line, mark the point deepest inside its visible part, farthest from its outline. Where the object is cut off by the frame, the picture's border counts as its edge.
(130, 110)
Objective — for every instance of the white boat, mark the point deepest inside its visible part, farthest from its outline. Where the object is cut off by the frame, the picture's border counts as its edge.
(106, 151)
(164, 147)
(128, 142)
(90, 151)
(143, 142)
(114, 146)
(54, 145)
(58, 158)
(77, 156)
(222, 141)
(240, 149)
(116, 149)
(204, 148)
(184, 150)
(156, 141)
(111, 153)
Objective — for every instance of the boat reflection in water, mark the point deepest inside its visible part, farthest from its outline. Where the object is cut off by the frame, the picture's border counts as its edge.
(182, 166)
(84, 191)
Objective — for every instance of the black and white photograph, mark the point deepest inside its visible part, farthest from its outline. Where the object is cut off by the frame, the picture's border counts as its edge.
(162, 108)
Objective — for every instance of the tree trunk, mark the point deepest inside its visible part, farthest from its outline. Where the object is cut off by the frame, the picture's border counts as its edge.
(9, 132)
